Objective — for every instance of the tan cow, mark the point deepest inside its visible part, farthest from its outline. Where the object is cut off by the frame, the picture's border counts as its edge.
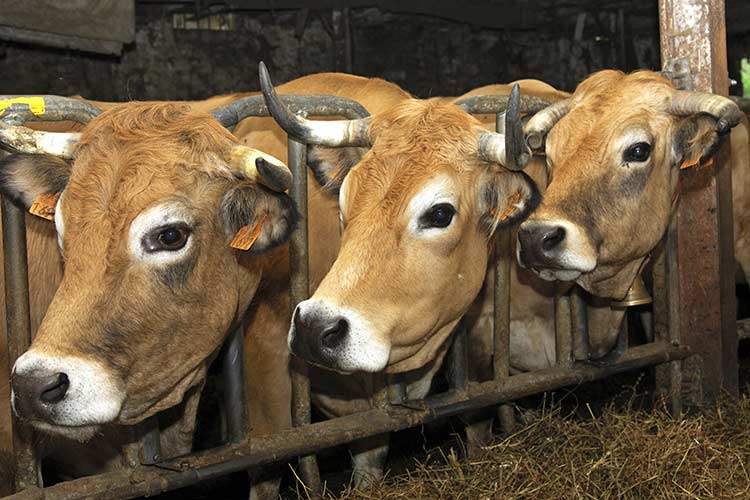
(267, 355)
(400, 283)
(149, 205)
(614, 150)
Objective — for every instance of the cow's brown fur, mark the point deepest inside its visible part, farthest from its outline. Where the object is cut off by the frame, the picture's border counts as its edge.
(624, 211)
(378, 267)
(267, 320)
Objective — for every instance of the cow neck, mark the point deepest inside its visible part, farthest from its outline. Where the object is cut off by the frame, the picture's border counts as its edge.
(645, 260)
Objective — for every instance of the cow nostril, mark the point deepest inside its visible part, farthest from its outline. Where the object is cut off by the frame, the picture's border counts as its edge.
(553, 238)
(335, 334)
(55, 390)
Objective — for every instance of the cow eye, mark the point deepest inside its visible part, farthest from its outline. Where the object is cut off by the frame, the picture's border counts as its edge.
(440, 215)
(167, 238)
(638, 152)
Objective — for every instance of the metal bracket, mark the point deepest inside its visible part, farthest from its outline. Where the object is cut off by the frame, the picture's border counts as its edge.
(678, 71)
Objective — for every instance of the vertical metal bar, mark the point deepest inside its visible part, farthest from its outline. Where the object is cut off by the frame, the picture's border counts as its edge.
(579, 318)
(501, 322)
(563, 330)
(695, 33)
(501, 304)
(18, 326)
(459, 354)
(151, 443)
(396, 389)
(235, 397)
(666, 314)
(144, 446)
(300, 290)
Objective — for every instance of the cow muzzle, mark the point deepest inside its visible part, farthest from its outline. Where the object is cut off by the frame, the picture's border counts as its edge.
(64, 395)
(336, 338)
(555, 250)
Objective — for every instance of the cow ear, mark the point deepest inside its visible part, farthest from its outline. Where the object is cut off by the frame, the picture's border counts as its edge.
(256, 218)
(696, 140)
(23, 176)
(506, 198)
(330, 165)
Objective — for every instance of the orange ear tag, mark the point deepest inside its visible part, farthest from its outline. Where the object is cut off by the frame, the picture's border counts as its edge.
(511, 206)
(696, 162)
(245, 237)
(44, 205)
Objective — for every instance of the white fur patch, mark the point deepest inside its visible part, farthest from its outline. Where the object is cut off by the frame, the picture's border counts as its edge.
(94, 396)
(438, 190)
(632, 136)
(172, 212)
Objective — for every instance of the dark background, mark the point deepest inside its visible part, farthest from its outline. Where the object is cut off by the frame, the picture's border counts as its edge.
(425, 54)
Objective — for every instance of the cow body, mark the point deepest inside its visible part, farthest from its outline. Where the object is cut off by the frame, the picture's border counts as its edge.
(266, 320)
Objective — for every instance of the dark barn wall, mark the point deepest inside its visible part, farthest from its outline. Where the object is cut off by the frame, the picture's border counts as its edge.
(425, 55)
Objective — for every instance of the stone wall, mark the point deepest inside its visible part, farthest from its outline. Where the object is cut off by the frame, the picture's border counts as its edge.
(426, 55)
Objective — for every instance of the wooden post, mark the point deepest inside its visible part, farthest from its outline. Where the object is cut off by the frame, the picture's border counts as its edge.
(693, 38)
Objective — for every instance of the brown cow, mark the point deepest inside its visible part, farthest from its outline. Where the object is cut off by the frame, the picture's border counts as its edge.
(154, 195)
(267, 355)
(392, 297)
(268, 315)
(614, 150)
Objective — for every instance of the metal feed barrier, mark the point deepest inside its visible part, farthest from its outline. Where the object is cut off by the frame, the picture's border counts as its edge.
(146, 473)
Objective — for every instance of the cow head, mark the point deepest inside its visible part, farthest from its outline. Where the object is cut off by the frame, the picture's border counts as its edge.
(149, 204)
(614, 150)
(418, 209)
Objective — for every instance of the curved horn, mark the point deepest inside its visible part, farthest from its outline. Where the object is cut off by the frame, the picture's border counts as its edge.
(26, 140)
(508, 148)
(726, 111)
(262, 167)
(541, 123)
(324, 133)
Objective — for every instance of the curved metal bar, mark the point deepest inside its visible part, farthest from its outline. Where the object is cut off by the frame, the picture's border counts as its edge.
(493, 104)
(313, 105)
(55, 108)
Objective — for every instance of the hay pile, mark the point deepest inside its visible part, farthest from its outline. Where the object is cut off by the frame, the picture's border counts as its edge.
(614, 455)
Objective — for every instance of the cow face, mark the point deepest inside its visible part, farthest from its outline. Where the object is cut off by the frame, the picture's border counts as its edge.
(614, 158)
(417, 210)
(151, 285)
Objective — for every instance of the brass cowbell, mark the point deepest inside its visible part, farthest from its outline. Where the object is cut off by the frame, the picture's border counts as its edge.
(637, 295)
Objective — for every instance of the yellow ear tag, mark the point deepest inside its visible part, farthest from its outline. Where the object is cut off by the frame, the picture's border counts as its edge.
(44, 205)
(245, 237)
(696, 162)
(514, 200)
(35, 104)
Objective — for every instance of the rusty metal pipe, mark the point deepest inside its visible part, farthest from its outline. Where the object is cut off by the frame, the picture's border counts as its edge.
(235, 397)
(18, 329)
(181, 472)
(501, 322)
(56, 108)
(299, 291)
(501, 319)
(310, 105)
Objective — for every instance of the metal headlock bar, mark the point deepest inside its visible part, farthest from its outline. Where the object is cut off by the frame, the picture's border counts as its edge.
(148, 474)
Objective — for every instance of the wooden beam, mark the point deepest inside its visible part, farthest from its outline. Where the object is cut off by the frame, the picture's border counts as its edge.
(695, 31)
